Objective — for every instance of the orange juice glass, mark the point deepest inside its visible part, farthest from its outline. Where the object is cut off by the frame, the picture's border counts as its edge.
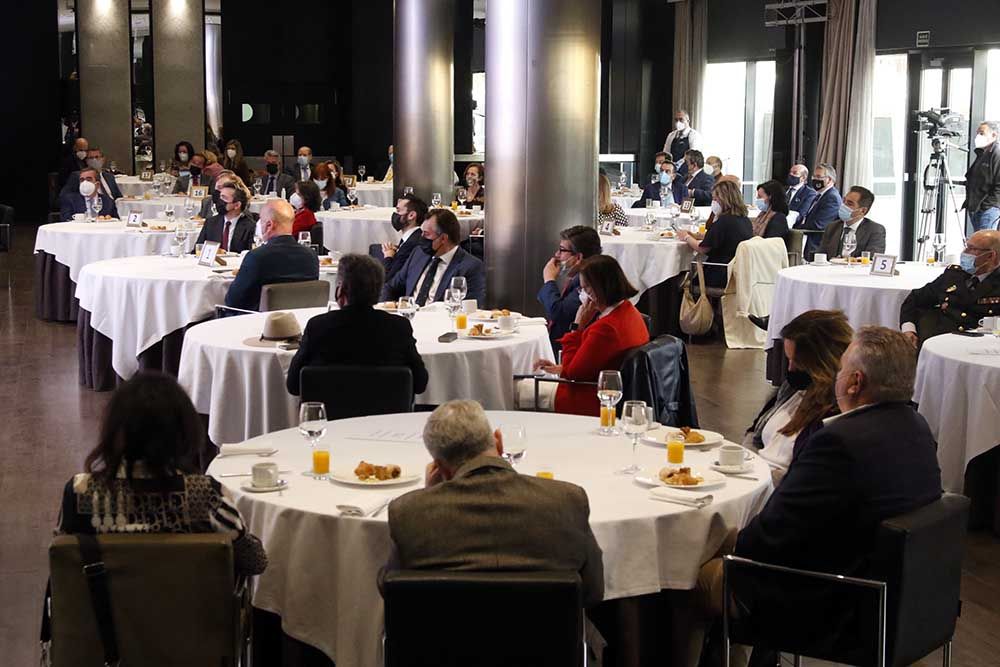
(607, 416)
(321, 462)
(545, 474)
(930, 261)
(461, 321)
(675, 451)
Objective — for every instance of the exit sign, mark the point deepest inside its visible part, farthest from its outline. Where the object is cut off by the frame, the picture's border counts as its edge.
(923, 38)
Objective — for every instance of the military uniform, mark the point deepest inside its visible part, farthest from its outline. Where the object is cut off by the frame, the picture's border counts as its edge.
(955, 301)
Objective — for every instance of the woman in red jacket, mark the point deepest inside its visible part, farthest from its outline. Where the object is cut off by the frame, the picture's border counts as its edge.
(306, 201)
(607, 326)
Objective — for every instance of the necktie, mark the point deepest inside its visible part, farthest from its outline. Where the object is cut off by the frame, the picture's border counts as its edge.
(224, 243)
(270, 185)
(425, 288)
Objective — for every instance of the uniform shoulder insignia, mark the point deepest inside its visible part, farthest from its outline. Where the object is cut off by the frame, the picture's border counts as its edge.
(951, 288)
(956, 266)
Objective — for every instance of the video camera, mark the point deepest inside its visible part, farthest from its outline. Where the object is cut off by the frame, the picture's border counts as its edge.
(940, 123)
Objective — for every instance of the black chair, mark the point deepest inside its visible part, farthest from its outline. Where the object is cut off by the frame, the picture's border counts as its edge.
(316, 238)
(904, 609)
(375, 250)
(539, 614)
(358, 391)
(6, 228)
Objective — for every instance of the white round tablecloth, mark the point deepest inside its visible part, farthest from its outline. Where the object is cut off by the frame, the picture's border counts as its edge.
(132, 186)
(242, 388)
(375, 194)
(864, 298)
(322, 573)
(153, 208)
(647, 262)
(353, 230)
(958, 393)
(76, 244)
(626, 199)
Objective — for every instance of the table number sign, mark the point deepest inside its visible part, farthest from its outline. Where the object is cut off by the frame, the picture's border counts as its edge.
(607, 227)
(687, 205)
(146, 175)
(883, 265)
(208, 252)
(134, 219)
(199, 191)
(349, 180)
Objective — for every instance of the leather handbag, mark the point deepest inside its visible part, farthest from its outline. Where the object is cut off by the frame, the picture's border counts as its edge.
(696, 316)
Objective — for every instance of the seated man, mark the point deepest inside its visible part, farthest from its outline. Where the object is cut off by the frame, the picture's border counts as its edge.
(698, 184)
(196, 177)
(875, 460)
(960, 297)
(869, 236)
(666, 175)
(428, 273)
(823, 210)
(409, 215)
(208, 208)
(280, 260)
(274, 182)
(800, 193)
(95, 160)
(357, 334)
(84, 198)
(231, 227)
(560, 293)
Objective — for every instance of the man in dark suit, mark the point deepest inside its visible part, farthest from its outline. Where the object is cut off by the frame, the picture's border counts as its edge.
(959, 297)
(274, 181)
(106, 180)
(73, 162)
(874, 461)
(409, 215)
(303, 169)
(561, 298)
(196, 176)
(698, 183)
(428, 273)
(665, 175)
(280, 260)
(83, 199)
(869, 236)
(231, 227)
(823, 210)
(357, 334)
(800, 193)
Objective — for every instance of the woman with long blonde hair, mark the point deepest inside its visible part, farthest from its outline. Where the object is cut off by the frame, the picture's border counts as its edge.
(730, 227)
(607, 208)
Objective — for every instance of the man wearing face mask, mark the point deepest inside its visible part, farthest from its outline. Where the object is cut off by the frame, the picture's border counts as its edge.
(664, 174)
(800, 193)
(84, 198)
(560, 292)
(409, 215)
(868, 235)
(195, 176)
(231, 226)
(388, 172)
(682, 139)
(107, 183)
(982, 181)
(823, 210)
(427, 274)
(303, 169)
(698, 184)
(964, 294)
(75, 161)
(274, 181)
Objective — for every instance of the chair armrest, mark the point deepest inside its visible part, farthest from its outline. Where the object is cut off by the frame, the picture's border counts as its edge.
(826, 576)
(693, 262)
(221, 309)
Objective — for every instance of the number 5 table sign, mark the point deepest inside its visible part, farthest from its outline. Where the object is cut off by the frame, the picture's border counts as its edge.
(883, 265)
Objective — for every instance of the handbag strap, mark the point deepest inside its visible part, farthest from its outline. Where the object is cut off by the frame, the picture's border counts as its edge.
(100, 595)
(701, 276)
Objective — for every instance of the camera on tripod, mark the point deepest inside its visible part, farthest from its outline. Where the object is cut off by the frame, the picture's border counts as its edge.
(940, 123)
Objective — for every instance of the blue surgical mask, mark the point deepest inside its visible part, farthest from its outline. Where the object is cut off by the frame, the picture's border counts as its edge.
(658, 167)
(760, 204)
(664, 178)
(845, 213)
(968, 262)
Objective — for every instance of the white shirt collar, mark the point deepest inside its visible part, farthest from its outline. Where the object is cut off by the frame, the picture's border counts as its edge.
(607, 311)
(825, 190)
(409, 232)
(854, 226)
(448, 256)
(694, 173)
(796, 188)
(830, 420)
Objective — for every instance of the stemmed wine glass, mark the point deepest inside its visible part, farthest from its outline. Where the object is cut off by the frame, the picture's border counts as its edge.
(850, 243)
(312, 427)
(352, 196)
(514, 439)
(462, 196)
(459, 283)
(188, 208)
(636, 421)
(940, 243)
(622, 181)
(453, 301)
(168, 212)
(609, 392)
(407, 189)
(180, 238)
(94, 209)
(258, 185)
(436, 199)
(361, 172)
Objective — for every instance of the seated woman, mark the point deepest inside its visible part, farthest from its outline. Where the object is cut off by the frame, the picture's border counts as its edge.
(560, 293)
(475, 185)
(730, 227)
(713, 167)
(772, 206)
(606, 326)
(813, 342)
(607, 208)
(329, 192)
(183, 152)
(143, 476)
(234, 161)
(306, 201)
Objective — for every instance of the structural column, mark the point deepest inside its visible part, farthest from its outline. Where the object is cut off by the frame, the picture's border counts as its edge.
(178, 31)
(423, 126)
(542, 108)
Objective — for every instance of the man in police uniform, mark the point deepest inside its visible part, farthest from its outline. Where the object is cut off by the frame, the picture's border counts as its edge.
(964, 294)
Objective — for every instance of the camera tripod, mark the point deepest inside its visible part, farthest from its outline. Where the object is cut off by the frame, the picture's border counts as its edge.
(938, 186)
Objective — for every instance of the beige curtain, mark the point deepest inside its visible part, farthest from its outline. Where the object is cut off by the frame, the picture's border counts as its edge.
(860, 125)
(838, 56)
(690, 53)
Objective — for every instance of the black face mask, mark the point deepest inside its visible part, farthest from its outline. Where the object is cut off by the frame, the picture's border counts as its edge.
(427, 245)
(798, 380)
(272, 169)
(792, 181)
(818, 183)
(195, 171)
(220, 204)
(397, 221)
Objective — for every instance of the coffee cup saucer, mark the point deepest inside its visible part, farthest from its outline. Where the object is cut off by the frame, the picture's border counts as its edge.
(741, 469)
(250, 488)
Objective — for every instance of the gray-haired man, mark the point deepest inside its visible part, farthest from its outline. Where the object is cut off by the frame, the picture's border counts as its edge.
(274, 181)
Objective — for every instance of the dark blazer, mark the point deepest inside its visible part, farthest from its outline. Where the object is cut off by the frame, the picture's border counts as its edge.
(73, 182)
(822, 212)
(68, 166)
(395, 264)
(870, 237)
(280, 260)
(488, 517)
(777, 226)
(700, 188)
(242, 235)
(282, 180)
(295, 171)
(560, 307)
(73, 202)
(982, 180)
(182, 183)
(404, 283)
(360, 336)
(652, 191)
(947, 304)
(802, 200)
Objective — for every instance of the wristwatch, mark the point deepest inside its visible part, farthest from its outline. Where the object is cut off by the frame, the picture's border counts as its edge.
(574, 326)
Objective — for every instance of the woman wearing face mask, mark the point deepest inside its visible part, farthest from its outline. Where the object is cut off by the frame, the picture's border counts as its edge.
(306, 201)
(772, 211)
(713, 167)
(234, 161)
(324, 179)
(183, 152)
(731, 227)
(813, 342)
(475, 185)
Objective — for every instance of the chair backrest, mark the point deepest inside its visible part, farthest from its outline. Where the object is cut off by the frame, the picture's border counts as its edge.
(6, 227)
(300, 294)
(316, 237)
(358, 391)
(172, 600)
(658, 373)
(793, 244)
(375, 250)
(488, 618)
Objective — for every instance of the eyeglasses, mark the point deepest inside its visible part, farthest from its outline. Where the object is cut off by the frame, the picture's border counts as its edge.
(563, 250)
(970, 248)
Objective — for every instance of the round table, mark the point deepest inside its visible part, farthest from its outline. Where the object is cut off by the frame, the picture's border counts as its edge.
(647, 261)
(376, 194)
(958, 393)
(353, 230)
(62, 249)
(323, 567)
(242, 388)
(626, 198)
(153, 207)
(133, 186)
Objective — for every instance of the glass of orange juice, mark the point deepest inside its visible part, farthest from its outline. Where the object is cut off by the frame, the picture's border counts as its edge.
(461, 321)
(675, 451)
(608, 416)
(321, 463)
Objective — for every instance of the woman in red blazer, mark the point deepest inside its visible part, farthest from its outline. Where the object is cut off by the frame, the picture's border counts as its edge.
(306, 200)
(607, 326)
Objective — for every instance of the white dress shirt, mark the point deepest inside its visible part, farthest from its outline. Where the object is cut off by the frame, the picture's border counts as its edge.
(406, 235)
(693, 137)
(441, 270)
(778, 448)
(232, 228)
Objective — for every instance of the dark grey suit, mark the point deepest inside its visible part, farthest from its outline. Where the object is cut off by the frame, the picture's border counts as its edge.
(282, 181)
(870, 237)
(182, 183)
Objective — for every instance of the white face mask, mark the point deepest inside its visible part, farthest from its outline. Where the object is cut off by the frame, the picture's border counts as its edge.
(183, 157)
(87, 188)
(321, 183)
(303, 160)
(295, 200)
(584, 298)
(96, 163)
(231, 153)
(716, 208)
(81, 155)
(982, 141)
(708, 169)
(679, 125)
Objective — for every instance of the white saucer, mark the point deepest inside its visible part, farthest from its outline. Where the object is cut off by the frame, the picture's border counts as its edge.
(732, 470)
(250, 488)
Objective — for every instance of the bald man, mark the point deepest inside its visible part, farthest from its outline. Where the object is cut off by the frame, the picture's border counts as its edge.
(279, 260)
(75, 161)
(964, 294)
(303, 169)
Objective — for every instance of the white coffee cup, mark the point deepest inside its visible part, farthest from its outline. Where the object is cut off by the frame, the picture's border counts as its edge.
(370, 179)
(731, 455)
(990, 323)
(477, 209)
(506, 322)
(79, 217)
(265, 475)
(819, 258)
(470, 306)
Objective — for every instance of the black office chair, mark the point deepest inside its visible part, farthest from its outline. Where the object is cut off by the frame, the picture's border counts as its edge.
(540, 614)
(904, 609)
(358, 391)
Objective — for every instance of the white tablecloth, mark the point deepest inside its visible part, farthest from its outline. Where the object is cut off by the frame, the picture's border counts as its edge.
(376, 194)
(864, 298)
(153, 208)
(958, 391)
(242, 388)
(647, 263)
(626, 199)
(322, 573)
(353, 230)
(76, 244)
(132, 186)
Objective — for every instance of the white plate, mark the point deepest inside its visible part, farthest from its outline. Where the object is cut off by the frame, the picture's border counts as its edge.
(352, 479)
(280, 486)
(487, 316)
(710, 479)
(819, 263)
(496, 335)
(732, 470)
(660, 436)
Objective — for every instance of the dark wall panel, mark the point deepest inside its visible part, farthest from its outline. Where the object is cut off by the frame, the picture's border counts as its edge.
(371, 101)
(962, 23)
(463, 76)
(736, 31)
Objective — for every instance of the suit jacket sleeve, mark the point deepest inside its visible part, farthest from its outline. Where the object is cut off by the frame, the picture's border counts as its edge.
(116, 192)
(558, 307)
(476, 281)
(414, 360)
(919, 299)
(592, 573)
(808, 198)
(830, 237)
(701, 191)
(109, 207)
(239, 294)
(396, 286)
(876, 242)
(300, 359)
(66, 207)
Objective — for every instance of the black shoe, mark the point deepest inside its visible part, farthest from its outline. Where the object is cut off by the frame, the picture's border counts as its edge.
(760, 322)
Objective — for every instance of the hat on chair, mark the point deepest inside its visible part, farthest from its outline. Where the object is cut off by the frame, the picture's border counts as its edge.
(279, 327)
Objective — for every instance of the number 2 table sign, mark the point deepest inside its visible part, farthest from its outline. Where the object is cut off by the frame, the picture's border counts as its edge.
(883, 265)
(134, 220)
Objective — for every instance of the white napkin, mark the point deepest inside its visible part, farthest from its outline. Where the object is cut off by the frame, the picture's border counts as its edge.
(531, 320)
(233, 450)
(664, 494)
(987, 352)
(364, 506)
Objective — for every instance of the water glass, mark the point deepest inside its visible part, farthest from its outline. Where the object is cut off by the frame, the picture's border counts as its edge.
(407, 190)
(459, 283)
(453, 301)
(361, 172)
(622, 181)
(352, 196)
(312, 421)
(462, 196)
(635, 418)
(305, 238)
(609, 392)
(940, 242)
(436, 199)
(514, 443)
(168, 212)
(258, 185)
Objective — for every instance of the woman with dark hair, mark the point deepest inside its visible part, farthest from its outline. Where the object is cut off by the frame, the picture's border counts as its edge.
(813, 343)
(337, 171)
(183, 152)
(306, 201)
(475, 185)
(143, 476)
(326, 181)
(730, 228)
(234, 161)
(607, 326)
(772, 207)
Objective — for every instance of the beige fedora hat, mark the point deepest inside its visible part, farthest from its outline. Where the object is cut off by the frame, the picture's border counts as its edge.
(279, 327)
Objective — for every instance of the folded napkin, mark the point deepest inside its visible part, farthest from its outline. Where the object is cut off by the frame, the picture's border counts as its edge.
(666, 495)
(363, 507)
(988, 352)
(234, 450)
(531, 320)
